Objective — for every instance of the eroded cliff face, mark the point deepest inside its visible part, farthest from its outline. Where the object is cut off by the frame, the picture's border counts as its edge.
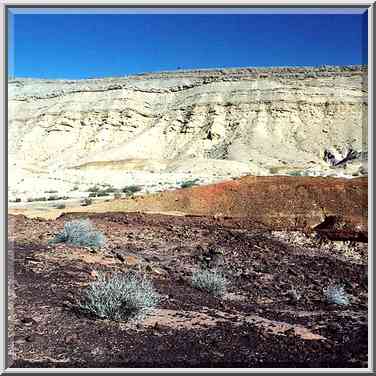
(207, 124)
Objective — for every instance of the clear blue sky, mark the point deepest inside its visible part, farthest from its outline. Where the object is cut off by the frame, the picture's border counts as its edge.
(98, 45)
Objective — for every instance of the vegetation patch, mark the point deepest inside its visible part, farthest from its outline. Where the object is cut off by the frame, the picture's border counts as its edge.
(131, 189)
(86, 201)
(209, 281)
(336, 295)
(298, 173)
(54, 198)
(30, 199)
(121, 297)
(189, 183)
(94, 189)
(80, 233)
(15, 200)
(98, 192)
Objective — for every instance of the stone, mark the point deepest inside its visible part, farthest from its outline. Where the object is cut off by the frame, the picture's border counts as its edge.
(71, 338)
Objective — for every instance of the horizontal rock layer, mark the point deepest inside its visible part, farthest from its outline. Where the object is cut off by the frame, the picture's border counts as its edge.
(262, 117)
(336, 208)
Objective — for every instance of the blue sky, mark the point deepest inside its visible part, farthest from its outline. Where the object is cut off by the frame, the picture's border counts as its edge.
(99, 45)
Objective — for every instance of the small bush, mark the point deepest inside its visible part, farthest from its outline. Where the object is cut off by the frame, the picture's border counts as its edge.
(296, 173)
(75, 188)
(102, 193)
(189, 183)
(54, 198)
(96, 192)
(336, 295)
(294, 295)
(51, 191)
(36, 199)
(131, 189)
(121, 296)
(210, 281)
(110, 189)
(86, 201)
(80, 233)
(93, 189)
(60, 206)
(15, 200)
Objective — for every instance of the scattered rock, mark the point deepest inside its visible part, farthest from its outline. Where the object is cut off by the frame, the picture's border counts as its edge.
(28, 321)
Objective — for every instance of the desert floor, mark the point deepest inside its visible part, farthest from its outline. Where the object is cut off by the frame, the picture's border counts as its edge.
(256, 323)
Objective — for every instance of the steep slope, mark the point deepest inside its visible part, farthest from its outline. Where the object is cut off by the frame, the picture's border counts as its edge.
(261, 121)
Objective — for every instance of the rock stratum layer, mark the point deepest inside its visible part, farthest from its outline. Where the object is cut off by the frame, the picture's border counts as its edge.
(210, 123)
(335, 207)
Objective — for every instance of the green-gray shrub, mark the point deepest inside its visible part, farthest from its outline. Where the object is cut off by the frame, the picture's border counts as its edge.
(189, 183)
(93, 189)
(36, 199)
(131, 189)
(298, 173)
(336, 294)
(120, 296)
(51, 191)
(97, 192)
(81, 233)
(102, 193)
(209, 281)
(54, 198)
(110, 189)
(86, 201)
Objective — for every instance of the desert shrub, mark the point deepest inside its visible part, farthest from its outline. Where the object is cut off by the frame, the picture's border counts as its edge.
(189, 183)
(81, 233)
(86, 201)
(15, 200)
(210, 281)
(75, 188)
(131, 189)
(36, 199)
(54, 198)
(296, 173)
(51, 191)
(117, 195)
(363, 171)
(121, 296)
(294, 295)
(95, 188)
(336, 294)
(97, 192)
(102, 193)
(110, 189)
(60, 206)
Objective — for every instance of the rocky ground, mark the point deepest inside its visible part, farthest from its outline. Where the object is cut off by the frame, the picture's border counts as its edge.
(256, 324)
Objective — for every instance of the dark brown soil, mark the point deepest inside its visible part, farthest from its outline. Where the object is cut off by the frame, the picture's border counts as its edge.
(254, 325)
